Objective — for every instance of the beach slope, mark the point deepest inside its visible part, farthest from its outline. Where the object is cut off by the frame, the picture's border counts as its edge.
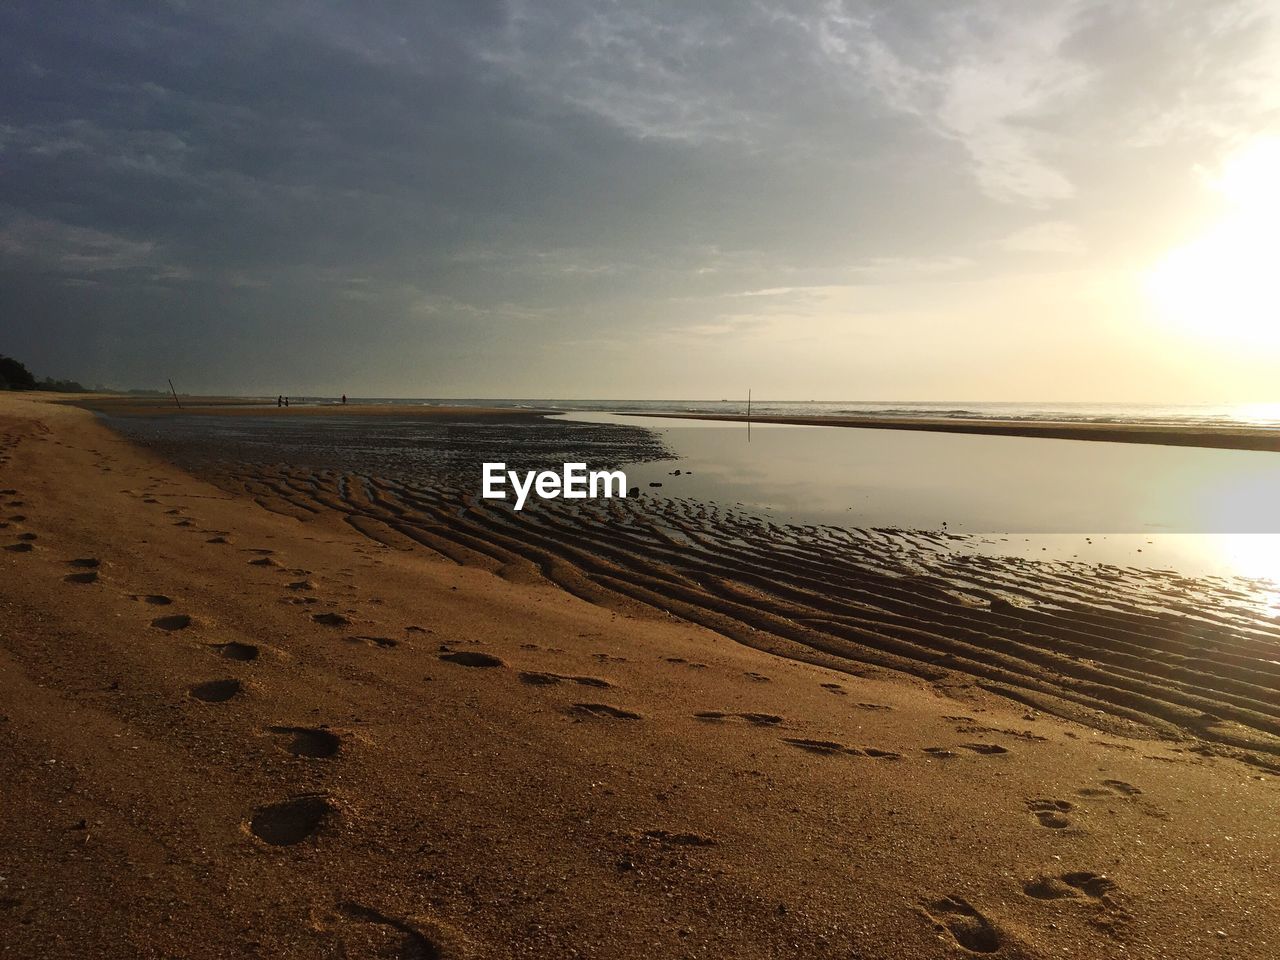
(228, 732)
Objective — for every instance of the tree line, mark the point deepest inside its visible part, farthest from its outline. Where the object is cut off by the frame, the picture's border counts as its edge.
(14, 375)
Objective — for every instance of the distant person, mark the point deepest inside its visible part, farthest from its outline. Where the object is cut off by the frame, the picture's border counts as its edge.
(344, 399)
(286, 401)
(280, 400)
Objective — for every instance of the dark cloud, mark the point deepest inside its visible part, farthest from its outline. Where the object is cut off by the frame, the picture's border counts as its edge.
(407, 195)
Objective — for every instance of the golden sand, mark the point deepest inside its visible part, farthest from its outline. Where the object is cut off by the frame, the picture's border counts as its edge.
(229, 732)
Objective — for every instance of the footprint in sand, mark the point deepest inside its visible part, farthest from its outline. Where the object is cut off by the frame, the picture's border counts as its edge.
(1120, 786)
(154, 599)
(313, 742)
(385, 642)
(831, 748)
(470, 658)
(756, 719)
(1093, 885)
(967, 926)
(757, 677)
(817, 746)
(292, 821)
(177, 621)
(834, 688)
(537, 679)
(873, 706)
(23, 547)
(217, 540)
(331, 619)
(985, 749)
(263, 562)
(88, 576)
(85, 563)
(1026, 735)
(242, 652)
(666, 838)
(216, 691)
(602, 711)
(369, 932)
(1109, 788)
(1050, 813)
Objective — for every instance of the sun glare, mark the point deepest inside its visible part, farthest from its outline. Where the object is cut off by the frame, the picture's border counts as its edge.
(1224, 285)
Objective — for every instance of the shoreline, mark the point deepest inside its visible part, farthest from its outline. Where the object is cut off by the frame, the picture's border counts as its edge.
(253, 407)
(1260, 439)
(1227, 438)
(756, 580)
(230, 730)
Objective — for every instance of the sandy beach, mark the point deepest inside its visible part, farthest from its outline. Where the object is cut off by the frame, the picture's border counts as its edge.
(288, 712)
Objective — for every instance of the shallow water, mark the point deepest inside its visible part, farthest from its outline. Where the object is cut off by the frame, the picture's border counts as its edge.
(1193, 510)
(1197, 512)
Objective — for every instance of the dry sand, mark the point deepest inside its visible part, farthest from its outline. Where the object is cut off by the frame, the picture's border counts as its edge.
(226, 732)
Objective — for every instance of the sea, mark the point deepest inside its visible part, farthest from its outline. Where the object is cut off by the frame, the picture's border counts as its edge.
(1258, 415)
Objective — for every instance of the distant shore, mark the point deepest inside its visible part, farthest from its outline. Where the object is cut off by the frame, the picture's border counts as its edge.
(1223, 437)
(1175, 435)
(265, 407)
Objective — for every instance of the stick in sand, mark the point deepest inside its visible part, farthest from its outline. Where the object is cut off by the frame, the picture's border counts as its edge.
(175, 393)
(748, 414)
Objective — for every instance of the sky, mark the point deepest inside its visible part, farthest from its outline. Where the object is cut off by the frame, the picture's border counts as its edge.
(895, 200)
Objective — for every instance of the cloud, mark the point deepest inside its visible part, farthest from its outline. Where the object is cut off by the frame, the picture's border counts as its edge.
(64, 248)
(466, 177)
(1050, 236)
(1172, 72)
(641, 70)
(985, 76)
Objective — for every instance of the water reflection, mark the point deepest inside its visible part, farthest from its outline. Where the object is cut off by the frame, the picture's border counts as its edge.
(1192, 510)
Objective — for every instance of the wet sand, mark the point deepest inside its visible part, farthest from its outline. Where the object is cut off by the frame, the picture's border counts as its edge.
(116, 405)
(300, 713)
(1224, 437)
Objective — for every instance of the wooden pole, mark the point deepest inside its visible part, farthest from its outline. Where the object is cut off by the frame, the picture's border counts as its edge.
(175, 394)
(748, 414)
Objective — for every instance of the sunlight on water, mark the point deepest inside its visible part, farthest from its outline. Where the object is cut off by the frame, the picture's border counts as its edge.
(1262, 414)
(1190, 510)
(1253, 555)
